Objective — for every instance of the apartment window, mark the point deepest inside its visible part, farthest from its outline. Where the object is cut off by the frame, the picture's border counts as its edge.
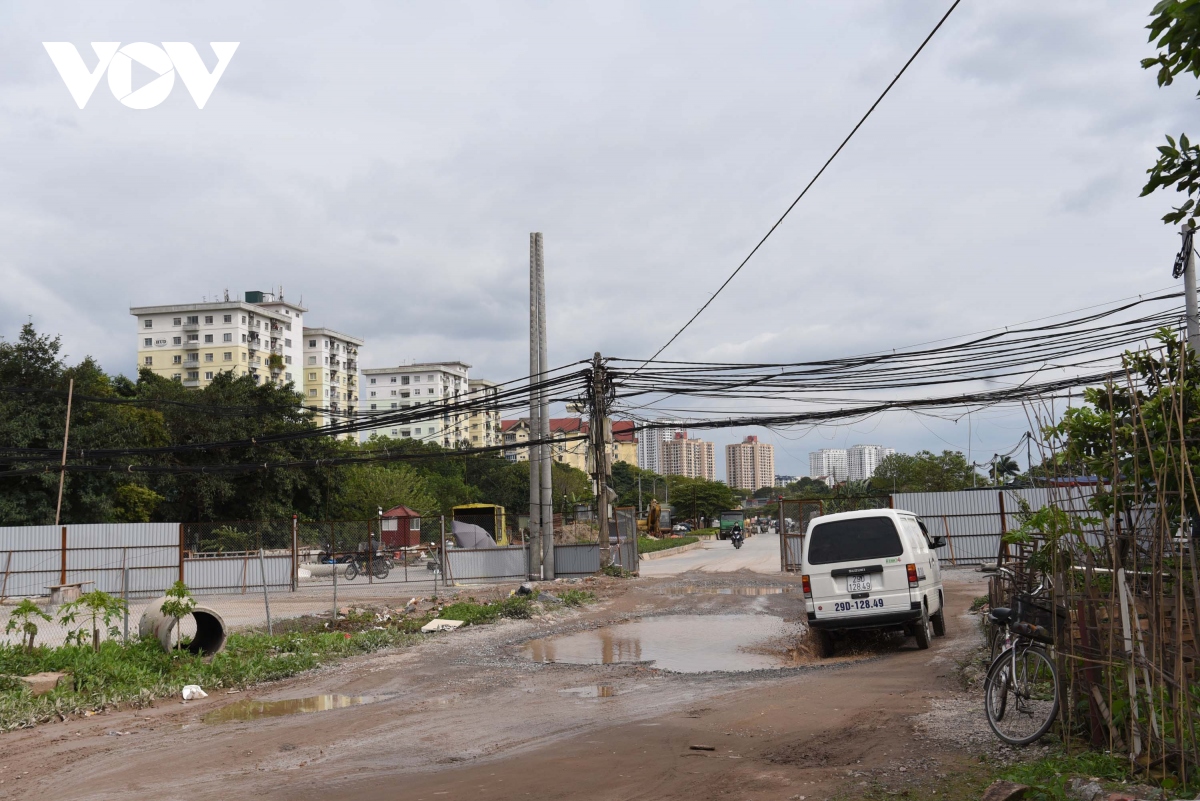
(243, 357)
(177, 321)
(227, 356)
(149, 360)
(176, 340)
(372, 393)
(208, 337)
(193, 337)
(428, 378)
(403, 379)
(193, 357)
(405, 433)
(208, 357)
(372, 406)
(208, 376)
(287, 359)
(312, 343)
(194, 319)
(228, 318)
(312, 393)
(372, 380)
(287, 376)
(227, 337)
(243, 319)
(417, 431)
(429, 391)
(176, 376)
(148, 342)
(176, 359)
(243, 337)
(312, 359)
(393, 432)
(327, 344)
(393, 406)
(193, 375)
(287, 343)
(208, 319)
(393, 393)
(327, 393)
(148, 323)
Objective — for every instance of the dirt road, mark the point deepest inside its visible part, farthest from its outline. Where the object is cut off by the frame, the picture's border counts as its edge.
(469, 715)
(759, 554)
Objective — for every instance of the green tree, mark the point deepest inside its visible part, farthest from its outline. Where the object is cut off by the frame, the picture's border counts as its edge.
(924, 471)
(1175, 30)
(697, 496)
(363, 489)
(1004, 468)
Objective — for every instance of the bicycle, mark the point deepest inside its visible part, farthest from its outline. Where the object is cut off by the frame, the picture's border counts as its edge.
(1021, 691)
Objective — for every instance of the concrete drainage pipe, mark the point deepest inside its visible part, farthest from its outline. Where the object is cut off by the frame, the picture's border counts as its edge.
(210, 628)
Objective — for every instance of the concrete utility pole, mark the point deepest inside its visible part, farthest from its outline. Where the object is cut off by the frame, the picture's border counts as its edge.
(1189, 287)
(547, 491)
(535, 427)
(600, 461)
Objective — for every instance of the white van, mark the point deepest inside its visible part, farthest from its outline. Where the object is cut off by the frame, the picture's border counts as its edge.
(871, 570)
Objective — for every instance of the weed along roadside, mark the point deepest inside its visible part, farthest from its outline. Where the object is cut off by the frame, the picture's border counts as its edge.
(100, 675)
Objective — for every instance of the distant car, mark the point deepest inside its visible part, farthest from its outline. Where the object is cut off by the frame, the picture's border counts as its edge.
(681, 527)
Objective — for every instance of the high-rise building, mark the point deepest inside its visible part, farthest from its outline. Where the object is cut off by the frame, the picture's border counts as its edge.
(331, 375)
(863, 459)
(483, 422)
(750, 464)
(829, 465)
(650, 442)
(192, 342)
(693, 458)
(390, 390)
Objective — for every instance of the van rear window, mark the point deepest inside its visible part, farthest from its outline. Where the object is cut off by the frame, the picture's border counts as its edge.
(854, 540)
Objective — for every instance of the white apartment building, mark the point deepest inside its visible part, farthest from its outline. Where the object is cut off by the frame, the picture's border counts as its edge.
(389, 390)
(750, 464)
(192, 342)
(330, 375)
(863, 459)
(483, 424)
(831, 465)
(693, 458)
(649, 443)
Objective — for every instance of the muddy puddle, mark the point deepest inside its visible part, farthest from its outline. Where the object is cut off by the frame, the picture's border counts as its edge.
(598, 691)
(252, 709)
(682, 643)
(727, 590)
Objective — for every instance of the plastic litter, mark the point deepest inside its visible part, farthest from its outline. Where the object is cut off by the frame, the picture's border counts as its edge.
(192, 692)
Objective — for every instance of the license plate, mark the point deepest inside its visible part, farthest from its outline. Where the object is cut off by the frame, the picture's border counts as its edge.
(858, 583)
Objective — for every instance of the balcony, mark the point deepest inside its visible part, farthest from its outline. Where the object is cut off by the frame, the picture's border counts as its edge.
(191, 326)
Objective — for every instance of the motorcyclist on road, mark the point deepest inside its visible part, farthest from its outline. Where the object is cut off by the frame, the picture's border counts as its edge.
(736, 535)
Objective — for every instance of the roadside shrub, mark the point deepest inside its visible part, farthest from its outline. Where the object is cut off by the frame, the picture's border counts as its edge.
(577, 597)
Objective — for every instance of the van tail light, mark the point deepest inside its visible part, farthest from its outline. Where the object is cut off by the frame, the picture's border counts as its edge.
(807, 586)
(912, 576)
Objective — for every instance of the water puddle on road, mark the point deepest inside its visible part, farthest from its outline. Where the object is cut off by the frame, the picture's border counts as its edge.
(251, 709)
(682, 643)
(728, 590)
(599, 691)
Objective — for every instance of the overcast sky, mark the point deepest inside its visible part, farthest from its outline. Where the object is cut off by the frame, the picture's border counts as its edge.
(388, 162)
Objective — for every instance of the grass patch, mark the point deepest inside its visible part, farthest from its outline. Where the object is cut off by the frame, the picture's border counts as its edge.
(577, 597)
(979, 602)
(647, 545)
(616, 571)
(473, 613)
(140, 672)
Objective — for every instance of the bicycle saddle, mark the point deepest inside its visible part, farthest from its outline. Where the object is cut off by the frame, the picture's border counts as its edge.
(1000, 615)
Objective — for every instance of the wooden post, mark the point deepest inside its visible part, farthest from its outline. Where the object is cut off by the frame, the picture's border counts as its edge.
(295, 556)
(949, 540)
(1002, 554)
(62, 470)
(62, 579)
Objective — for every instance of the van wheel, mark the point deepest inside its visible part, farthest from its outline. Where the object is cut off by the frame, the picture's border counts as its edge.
(822, 643)
(939, 622)
(924, 630)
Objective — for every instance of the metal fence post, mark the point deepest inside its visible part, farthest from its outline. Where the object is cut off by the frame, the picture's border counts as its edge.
(262, 570)
(125, 593)
(295, 556)
(4, 586)
(333, 557)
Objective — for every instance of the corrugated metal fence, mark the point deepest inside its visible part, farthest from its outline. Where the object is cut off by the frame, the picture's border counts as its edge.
(972, 521)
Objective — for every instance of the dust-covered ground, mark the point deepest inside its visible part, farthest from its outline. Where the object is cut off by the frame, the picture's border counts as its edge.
(468, 714)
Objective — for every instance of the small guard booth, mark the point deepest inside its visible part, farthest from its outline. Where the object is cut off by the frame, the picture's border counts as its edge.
(401, 528)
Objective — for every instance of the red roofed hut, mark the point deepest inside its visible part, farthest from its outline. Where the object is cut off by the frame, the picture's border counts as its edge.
(401, 527)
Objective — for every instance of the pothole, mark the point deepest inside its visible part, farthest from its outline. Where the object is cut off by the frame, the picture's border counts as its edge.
(598, 691)
(251, 709)
(680, 643)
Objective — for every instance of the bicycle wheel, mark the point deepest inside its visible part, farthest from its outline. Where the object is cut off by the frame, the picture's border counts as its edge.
(1021, 695)
(351, 571)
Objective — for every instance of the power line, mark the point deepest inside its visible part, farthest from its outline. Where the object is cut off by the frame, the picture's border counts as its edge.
(809, 185)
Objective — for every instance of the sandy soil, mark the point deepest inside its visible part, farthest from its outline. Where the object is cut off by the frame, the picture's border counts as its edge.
(465, 715)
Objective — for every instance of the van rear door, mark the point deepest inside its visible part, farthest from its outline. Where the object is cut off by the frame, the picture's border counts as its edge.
(856, 568)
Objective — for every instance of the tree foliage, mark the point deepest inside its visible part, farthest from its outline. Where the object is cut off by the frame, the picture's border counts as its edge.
(1175, 31)
(924, 471)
